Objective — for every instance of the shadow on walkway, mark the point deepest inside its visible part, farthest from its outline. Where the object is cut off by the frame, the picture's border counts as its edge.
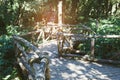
(66, 69)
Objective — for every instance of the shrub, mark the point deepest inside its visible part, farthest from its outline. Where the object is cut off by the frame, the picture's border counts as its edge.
(7, 56)
(106, 48)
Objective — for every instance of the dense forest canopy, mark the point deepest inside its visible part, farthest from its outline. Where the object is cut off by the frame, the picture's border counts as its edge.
(21, 16)
(28, 12)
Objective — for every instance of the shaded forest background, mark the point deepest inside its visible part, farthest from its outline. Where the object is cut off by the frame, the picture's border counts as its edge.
(20, 16)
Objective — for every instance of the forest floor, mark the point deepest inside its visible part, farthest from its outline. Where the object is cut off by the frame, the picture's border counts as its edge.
(69, 69)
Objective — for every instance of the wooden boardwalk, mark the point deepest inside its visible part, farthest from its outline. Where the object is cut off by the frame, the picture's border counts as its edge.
(66, 69)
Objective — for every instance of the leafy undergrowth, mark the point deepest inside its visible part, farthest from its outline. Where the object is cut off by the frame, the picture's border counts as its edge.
(8, 68)
(105, 48)
(7, 59)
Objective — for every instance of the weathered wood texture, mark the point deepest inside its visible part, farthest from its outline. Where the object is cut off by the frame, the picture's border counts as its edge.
(67, 39)
(43, 34)
(30, 33)
(104, 36)
(64, 46)
(34, 62)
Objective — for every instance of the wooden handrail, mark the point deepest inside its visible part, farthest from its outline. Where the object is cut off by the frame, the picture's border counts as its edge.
(104, 36)
(29, 33)
(80, 36)
(88, 36)
(37, 64)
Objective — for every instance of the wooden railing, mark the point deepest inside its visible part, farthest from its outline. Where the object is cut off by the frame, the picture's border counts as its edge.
(33, 62)
(65, 44)
(93, 37)
(70, 38)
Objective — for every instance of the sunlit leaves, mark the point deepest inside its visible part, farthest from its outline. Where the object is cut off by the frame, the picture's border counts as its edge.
(12, 30)
(106, 48)
(15, 6)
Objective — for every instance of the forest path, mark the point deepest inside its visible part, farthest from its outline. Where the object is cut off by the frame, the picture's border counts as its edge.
(68, 69)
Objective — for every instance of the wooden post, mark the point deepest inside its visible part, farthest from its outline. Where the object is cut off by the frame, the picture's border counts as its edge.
(40, 69)
(60, 13)
(36, 65)
(92, 47)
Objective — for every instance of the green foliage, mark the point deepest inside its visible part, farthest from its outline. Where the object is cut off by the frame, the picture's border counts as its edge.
(4, 42)
(8, 10)
(11, 30)
(81, 10)
(11, 76)
(7, 56)
(106, 48)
